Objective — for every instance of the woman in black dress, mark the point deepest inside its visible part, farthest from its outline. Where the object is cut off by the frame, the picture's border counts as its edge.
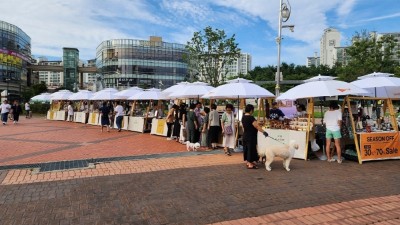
(105, 120)
(250, 128)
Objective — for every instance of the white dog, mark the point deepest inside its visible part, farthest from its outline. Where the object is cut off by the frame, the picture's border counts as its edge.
(286, 152)
(192, 146)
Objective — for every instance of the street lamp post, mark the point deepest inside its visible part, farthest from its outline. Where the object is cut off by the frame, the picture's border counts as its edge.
(7, 81)
(284, 14)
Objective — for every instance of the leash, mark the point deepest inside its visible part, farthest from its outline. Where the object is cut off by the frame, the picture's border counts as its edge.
(276, 140)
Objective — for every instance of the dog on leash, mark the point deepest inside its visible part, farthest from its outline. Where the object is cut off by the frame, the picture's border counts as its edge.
(286, 152)
(192, 146)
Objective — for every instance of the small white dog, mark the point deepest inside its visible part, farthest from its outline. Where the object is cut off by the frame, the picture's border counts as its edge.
(192, 146)
(286, 152)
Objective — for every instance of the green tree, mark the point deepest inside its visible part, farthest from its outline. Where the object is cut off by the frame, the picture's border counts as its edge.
(39, 88)
(369, 54)
(209, 52)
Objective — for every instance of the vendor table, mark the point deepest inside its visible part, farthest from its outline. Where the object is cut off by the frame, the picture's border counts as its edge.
(79, 117)
(284, 137)
(124, 123)
(137, 123)
(94, 118)
(60, 115)
(51, 115)
(159, 127)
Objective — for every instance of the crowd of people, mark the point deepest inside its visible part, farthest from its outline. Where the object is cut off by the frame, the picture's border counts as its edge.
(12, 112)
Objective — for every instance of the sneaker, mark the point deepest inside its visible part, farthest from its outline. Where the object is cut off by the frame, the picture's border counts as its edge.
(339, 161)
(168, 139)
(331, 160)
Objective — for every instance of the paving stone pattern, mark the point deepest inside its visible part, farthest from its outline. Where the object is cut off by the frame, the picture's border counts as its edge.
(165, 185)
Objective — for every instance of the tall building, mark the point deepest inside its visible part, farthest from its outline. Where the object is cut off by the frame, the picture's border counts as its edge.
(240, 66)
(313, 61)
(15, 55)
(145, 63)
(53, 79)
(330, 39)
(71, 63)
(342, 58)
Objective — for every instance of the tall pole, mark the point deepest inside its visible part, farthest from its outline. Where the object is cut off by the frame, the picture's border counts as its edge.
(278, 41)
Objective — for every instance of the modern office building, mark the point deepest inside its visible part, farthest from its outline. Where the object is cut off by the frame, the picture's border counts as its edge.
(240, 66)
(330, 39)
(15, 54)
(144, 63)
(313, 61)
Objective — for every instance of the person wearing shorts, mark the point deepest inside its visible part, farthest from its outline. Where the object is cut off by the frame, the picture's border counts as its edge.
(333, 121)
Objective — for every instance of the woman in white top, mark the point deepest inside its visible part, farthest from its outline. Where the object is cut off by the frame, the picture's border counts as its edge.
(119, 115)
(70, 112)
(228, 129)
(333, 121)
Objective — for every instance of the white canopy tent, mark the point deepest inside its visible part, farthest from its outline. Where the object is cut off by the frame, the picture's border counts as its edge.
(43, 97)
(321, 86)
(129, 92)
(238, 88)
(381, 85)
(191, 90)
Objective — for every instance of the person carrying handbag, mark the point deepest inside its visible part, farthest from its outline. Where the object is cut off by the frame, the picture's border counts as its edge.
(228, 129)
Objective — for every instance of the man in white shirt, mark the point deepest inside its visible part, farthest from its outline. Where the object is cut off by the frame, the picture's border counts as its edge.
(119, 114)
(333, 121)
(28, 110)
(5, 109)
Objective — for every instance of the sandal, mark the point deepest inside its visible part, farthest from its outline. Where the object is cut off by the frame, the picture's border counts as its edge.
(252, 167)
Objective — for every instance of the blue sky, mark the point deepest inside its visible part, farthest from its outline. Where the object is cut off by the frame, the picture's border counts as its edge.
(84, 24)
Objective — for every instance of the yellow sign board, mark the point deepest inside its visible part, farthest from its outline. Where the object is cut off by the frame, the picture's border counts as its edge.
(375, 146)
(160, 126)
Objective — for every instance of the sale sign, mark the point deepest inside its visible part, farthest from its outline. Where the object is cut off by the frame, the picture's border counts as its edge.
(375, 146)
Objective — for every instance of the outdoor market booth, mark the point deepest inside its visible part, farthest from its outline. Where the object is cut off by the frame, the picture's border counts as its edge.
(107, 94)
(302, 128)
(373, 125)
(81, 100)
(59, 104)
(143, 120)
(239, 90)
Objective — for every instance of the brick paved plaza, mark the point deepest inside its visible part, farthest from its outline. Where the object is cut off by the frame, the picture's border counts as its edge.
(132, 178)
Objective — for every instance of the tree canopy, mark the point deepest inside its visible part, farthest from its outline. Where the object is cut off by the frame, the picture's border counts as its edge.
(210, 51)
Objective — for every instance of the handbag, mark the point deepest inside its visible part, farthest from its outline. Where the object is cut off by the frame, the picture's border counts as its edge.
(228, 128)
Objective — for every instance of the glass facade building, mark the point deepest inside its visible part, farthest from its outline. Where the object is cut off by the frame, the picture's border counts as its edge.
(145, 63)
(71, 63)
(15, 54)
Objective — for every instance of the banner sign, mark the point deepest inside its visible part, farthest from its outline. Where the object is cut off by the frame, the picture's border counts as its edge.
(376, 146)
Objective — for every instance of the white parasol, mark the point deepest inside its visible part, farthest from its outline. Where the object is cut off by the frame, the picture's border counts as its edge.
(44, 97)
(191, 90)
(380, 85)
(61, 95)
(149, 94)
(81, 95)
(175, 87)
(322, 88)
(238, 88)
(129, 92)
(106, 94)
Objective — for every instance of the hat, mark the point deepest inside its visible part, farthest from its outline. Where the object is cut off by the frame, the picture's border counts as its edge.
(274, 103)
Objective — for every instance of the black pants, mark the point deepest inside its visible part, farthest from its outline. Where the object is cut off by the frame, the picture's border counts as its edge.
(169, 131)
(16, 116)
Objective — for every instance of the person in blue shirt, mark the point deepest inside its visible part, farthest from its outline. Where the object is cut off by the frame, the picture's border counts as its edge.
(275, 113)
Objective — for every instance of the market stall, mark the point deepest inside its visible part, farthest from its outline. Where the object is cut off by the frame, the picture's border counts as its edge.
(149, 119)
(303, 129)
(374, 128)
(238, 89)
